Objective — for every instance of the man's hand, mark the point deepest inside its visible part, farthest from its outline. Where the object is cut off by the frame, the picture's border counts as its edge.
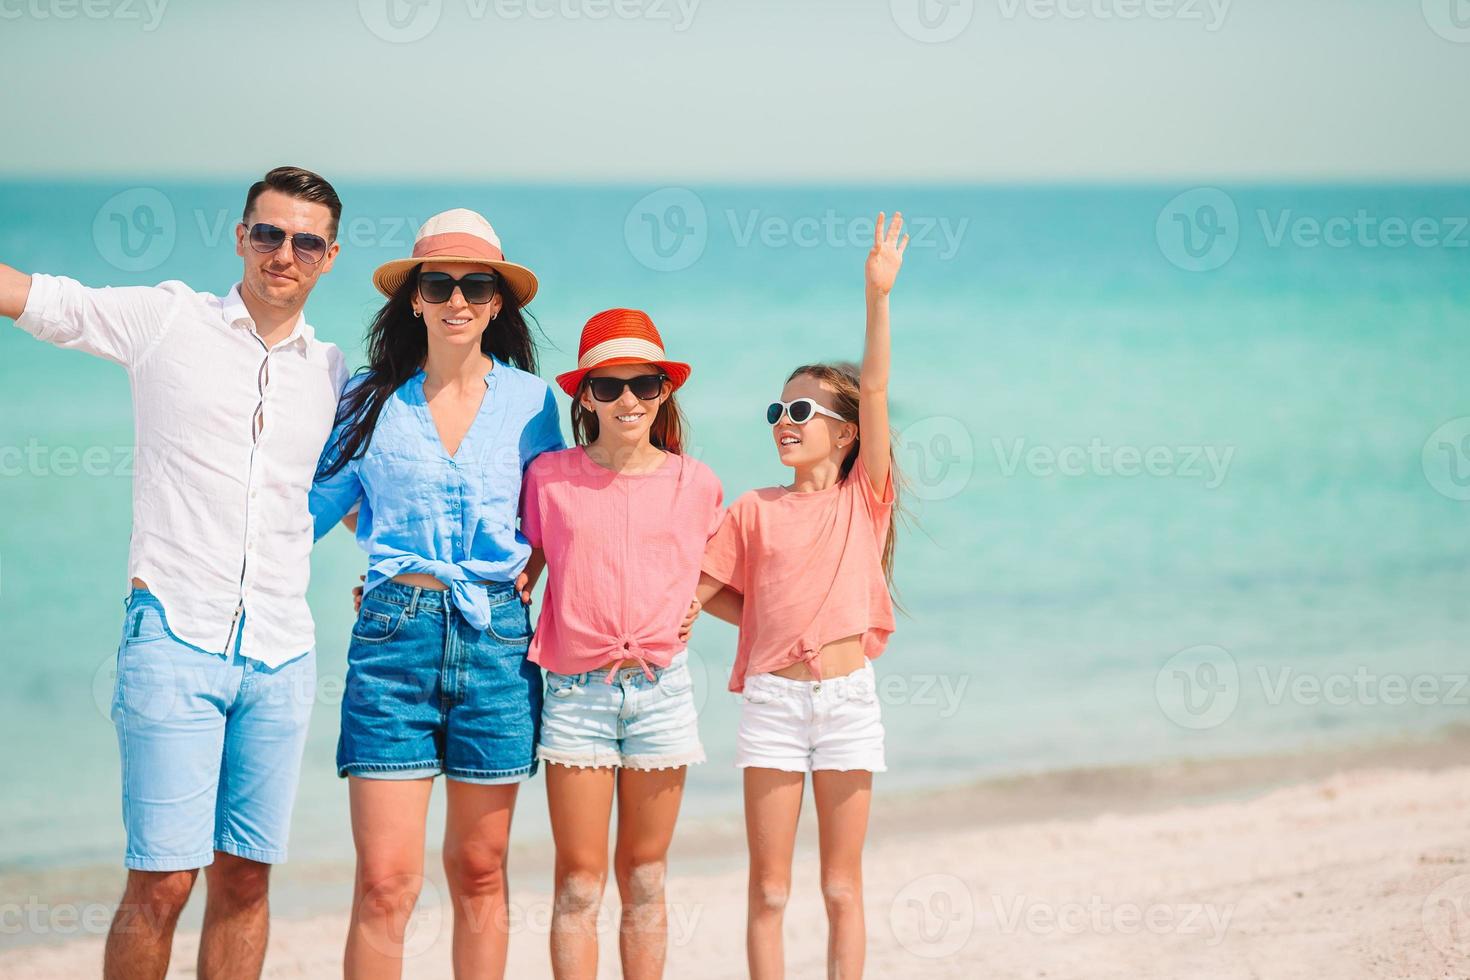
(523, 586)
(357, 595)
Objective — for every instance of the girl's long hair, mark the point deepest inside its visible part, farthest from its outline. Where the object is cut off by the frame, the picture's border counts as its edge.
(666, 433)
(397, 344)
(843, 378)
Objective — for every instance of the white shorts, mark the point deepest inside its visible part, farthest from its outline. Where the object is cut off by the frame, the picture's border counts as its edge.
(804, 726)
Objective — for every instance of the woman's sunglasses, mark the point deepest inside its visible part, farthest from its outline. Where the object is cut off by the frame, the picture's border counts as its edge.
(799, 410)
(476, 287)
(645, 387)
(305, 246)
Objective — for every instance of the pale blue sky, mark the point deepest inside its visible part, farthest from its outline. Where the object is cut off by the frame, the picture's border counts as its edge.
(740, 90)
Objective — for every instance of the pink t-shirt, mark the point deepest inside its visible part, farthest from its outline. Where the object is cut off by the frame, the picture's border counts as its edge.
(622, 556)
(810, 567)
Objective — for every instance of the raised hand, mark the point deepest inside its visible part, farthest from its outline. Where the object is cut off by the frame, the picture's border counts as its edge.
(886, 256)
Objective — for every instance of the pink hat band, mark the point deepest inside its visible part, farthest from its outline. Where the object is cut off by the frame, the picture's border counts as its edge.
(456, 244)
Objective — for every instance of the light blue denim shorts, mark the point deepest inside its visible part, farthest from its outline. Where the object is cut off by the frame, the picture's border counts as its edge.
(211, 746)
(634, 721)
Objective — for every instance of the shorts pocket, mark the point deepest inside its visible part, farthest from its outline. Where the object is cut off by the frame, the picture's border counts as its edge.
(676, 682)
(758, 694)
(863, 692)
(560, 685)
(510, 621)
(145, 623)
(378, 622)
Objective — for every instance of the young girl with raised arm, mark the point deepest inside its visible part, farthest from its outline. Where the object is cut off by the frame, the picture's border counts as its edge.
(813, 562)
(620, 522)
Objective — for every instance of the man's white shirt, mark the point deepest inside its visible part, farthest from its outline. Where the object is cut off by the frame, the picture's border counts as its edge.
(228, 438)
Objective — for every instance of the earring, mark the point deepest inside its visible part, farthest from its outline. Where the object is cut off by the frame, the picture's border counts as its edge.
(418, 314)
(495, 315)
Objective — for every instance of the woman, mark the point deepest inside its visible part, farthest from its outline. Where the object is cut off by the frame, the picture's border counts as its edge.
(431, 441)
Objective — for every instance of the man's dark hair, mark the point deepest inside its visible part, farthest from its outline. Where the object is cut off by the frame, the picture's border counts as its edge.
(298, 183)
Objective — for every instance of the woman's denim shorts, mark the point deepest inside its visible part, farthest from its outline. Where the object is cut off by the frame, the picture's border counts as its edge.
(428, 694)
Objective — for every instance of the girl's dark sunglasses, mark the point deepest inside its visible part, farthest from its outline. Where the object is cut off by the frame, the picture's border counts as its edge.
(476, 287)
(646, 387)
(305, 246)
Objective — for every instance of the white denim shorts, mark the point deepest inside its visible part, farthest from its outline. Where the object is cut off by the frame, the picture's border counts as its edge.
(804, 726)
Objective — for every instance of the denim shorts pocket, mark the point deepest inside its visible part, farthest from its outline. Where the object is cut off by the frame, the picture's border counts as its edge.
(560, 685)
(675, 682)
(145, 623)
(510, 621)
(378, 622)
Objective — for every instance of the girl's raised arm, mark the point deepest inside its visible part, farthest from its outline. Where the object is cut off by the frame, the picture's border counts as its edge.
(881, 271)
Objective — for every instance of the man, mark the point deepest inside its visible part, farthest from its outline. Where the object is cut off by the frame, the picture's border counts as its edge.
(234, 398)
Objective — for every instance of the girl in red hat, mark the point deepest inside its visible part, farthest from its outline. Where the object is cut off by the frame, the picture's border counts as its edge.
(813, 562)
(620, 523)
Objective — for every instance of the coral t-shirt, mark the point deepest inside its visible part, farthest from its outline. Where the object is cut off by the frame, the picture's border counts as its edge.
(810, 568)
(622, 556)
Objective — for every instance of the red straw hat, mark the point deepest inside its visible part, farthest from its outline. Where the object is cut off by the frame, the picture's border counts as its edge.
(615, 337)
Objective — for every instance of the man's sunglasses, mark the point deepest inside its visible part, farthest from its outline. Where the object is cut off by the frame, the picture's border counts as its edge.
(799, 410)
(476, 287)
(305, 246)
(645, 387)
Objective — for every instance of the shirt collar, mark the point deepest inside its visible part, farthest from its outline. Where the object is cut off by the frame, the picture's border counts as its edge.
(491, 376)
(236, 315)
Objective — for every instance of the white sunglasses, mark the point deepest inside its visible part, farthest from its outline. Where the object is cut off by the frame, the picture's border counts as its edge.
(799, 410)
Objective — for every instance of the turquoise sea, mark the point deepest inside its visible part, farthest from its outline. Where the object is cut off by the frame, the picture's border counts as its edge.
(1189, 468)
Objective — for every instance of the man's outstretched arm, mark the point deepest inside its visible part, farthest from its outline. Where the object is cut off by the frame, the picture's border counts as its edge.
(15, 286)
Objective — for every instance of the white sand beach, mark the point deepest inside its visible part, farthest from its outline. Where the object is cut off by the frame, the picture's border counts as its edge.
(1345, 865)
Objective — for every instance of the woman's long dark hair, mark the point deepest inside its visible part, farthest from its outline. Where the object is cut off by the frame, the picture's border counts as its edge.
(397, 344)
